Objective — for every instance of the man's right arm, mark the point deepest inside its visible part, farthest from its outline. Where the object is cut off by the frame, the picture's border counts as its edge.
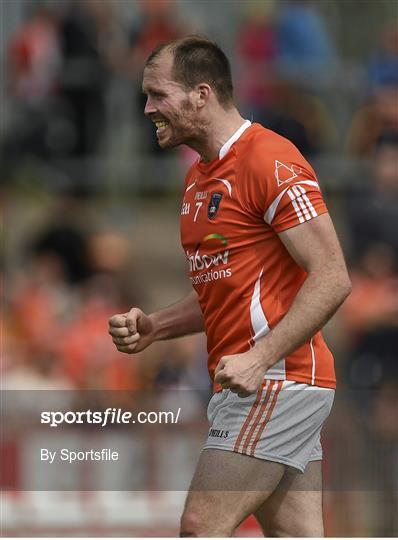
(134, 331)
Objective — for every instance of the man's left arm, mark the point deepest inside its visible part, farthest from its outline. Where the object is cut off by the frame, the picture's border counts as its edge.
(315, 247)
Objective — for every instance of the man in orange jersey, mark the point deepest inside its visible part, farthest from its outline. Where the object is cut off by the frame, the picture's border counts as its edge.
(268, 273)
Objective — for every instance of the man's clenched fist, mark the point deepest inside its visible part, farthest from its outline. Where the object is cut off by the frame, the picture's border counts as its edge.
(131, 332)
(241, 373)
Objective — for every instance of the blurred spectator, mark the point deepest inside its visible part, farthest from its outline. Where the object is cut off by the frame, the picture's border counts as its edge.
(61, 299)
(158, 23)
(86, 352)
(370, 316)
(300, 117)
(108, 252)
(38, 371)
(114, 272)
(384, 428)
(183, 365)
(383, 67)
(41, 300)
(34, 63)
(63, 240)
(84, 77)
(305, 50)
(65, 328)
(269, 92)
(34, 59)
(256, 52)
(99, 365)
(373, 303)
(373, 207)
(373, 121)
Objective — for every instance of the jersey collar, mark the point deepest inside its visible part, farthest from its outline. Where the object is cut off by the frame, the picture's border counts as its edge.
(226, 147)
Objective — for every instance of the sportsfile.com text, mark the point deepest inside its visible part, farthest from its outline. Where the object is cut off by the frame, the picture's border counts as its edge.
(109, 416)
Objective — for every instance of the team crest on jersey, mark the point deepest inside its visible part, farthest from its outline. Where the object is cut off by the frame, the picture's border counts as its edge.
(214, 205)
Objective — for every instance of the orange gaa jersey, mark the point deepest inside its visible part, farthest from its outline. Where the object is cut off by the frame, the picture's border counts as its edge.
(232, 211)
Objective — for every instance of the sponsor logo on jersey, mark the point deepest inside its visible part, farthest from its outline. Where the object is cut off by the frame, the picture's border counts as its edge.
(215, 236)
(285, 173)
(214, 205)
(199, 262)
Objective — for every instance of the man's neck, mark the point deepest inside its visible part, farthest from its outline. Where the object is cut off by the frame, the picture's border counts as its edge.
(218, 131)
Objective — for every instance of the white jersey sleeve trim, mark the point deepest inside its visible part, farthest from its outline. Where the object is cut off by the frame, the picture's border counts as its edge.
(271, 210)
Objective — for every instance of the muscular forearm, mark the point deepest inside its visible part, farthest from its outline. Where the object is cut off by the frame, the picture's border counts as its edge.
(314, 247)
(183, 318)
(315, 303)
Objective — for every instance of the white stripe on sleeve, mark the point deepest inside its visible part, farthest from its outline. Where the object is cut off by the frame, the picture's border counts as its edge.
(273, 207)
(295, 206)
(309, 203)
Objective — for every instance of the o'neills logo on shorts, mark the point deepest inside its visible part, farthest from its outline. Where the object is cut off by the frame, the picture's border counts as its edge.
(219, 433)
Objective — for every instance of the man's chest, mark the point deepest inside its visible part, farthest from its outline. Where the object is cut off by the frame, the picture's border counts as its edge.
(211, 211)
(216, 219)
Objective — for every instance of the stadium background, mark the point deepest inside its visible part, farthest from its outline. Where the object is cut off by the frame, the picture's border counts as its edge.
(91, 210)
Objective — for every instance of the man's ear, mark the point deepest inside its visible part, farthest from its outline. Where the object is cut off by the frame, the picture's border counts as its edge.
(203, 94)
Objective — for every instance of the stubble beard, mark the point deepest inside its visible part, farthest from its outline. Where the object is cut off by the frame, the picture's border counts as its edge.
(187, 128)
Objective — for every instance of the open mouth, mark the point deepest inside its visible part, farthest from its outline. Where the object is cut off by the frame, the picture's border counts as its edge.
(161, 125)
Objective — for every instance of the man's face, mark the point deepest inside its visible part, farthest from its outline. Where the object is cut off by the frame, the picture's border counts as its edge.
(169, 105)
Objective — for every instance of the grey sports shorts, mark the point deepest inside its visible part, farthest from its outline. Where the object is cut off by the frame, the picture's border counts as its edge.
(282, 422)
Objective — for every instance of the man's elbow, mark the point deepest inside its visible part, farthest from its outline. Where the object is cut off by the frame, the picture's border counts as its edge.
(344, 287)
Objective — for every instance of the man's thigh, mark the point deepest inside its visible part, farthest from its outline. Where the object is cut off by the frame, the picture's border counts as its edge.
(295, 507)
(226, 488)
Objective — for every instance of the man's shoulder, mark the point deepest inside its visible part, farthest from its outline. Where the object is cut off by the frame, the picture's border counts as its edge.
(262, 145)
(264, 140)
(262, 149)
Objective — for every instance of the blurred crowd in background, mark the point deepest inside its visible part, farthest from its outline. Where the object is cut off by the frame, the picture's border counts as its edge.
(91, 204)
